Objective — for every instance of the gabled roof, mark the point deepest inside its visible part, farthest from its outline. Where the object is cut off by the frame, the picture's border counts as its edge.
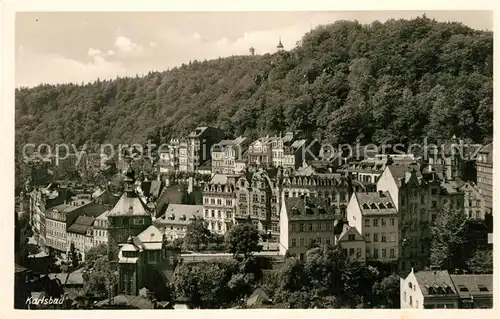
(316, 209)
(375, 203)
(219, 179)
(476, 285)
(149, 235)
(435, 283)
(181, 214)
(350, 230)
(81, 225)
(129, 206)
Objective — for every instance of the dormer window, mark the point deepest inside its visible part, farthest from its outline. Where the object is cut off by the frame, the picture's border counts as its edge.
(389, 205)
(482, 288)
(381, 206)
(373, 206)
(172, 217)
(462, 288)
(365, 206)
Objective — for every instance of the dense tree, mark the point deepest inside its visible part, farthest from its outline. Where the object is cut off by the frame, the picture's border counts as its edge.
(481, 262)
(395, 80)
(213, 284)
(99, 276)
(197, 235)
(388, 291)
(447, 237)
(243, 239)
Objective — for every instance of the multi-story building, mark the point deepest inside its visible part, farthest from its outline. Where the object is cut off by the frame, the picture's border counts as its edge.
(335, 188)
(440, 290)
(278, 148)
(183, 157)
(59, 218)
(473, 201)
(418, 195)
(428, 290)
(141, 263)
(218, 152)
(294, 154)
(80, 235)
(369, 169)
(484, 165)
(200, 142)
(219, 203)
(176, 219)
(352, 243)
(306, 222)
(130, 216)
(474, 291)
(256, 195)
(375, 217)
(55, 225)
(260, 152)
(100, 229)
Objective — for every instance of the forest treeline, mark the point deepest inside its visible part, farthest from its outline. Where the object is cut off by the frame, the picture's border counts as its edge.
(398, 81)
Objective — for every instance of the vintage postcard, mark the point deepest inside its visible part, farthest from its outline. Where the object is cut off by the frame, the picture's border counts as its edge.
(174, 160)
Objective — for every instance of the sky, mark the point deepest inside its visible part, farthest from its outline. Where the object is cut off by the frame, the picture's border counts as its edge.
(62, 47)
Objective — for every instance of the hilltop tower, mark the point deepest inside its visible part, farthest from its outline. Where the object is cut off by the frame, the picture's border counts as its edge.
(252, 51)
(280, 45)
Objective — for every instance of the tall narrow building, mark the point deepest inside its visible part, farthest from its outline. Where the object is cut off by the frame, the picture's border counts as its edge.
(129, 217)
(280, 46)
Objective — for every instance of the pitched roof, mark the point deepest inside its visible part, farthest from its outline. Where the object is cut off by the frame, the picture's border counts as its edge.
(149, 235)
(375, 203)
(435, 282)
(81, 225)
(103, 215)
(181, 214)
(316, 209)
(350, 230)
(219, 179)
(129, 206)
(473, 284)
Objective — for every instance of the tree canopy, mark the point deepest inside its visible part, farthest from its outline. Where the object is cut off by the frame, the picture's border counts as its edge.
(401, 80)
(243, 239)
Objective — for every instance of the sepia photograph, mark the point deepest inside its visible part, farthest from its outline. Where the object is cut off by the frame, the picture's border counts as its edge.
(253, 160)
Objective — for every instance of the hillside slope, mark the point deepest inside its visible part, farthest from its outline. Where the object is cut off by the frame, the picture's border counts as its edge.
(396, 82)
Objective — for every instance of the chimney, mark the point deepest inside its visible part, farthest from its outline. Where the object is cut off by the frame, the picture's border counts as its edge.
(381, 193)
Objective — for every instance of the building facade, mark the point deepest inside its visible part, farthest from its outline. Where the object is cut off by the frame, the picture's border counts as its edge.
(375, 217)
(176, 219)
(219, 203)
(484, 166)
(130, 216)
(306, 222)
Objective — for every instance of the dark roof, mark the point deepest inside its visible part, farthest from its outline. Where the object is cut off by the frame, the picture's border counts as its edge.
(477, 285)
(81, 225)
(374, 203)
(316, 208)
(438, 281)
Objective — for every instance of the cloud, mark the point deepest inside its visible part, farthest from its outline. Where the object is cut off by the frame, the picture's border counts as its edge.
(55, 68)
(111, 52)
(126, 45)
(93, 52)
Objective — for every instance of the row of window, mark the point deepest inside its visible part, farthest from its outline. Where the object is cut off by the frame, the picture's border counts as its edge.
(54, 224)
(351, 252)
(311, 241)
(384, 237)
(383, 253)
(383, 222)
(211, 213)
(55, 233)
(324, 226)
(218, 201)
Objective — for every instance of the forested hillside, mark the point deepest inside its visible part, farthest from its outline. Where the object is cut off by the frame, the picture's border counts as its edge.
(397, 81)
